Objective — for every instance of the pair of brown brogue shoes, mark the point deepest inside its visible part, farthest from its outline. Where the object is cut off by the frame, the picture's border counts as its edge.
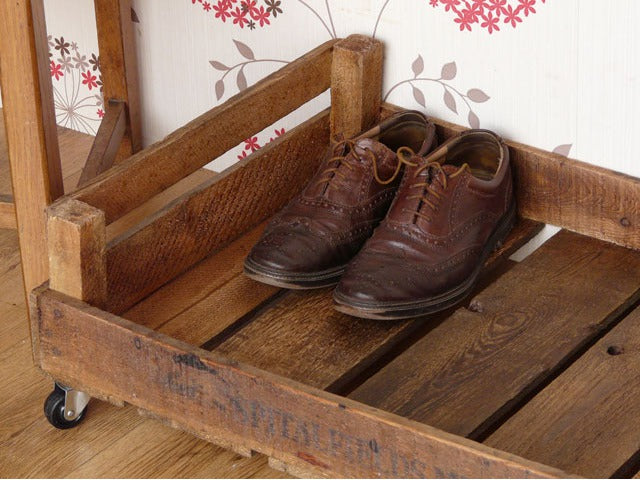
(401, 225)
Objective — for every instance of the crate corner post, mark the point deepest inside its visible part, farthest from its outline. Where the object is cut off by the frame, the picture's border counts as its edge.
(356, 84)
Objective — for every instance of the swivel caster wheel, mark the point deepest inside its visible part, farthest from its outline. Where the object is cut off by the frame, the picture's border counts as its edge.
(64, 407)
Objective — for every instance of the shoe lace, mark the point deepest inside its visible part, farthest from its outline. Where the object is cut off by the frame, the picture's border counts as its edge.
(435, 174)
(333, 164)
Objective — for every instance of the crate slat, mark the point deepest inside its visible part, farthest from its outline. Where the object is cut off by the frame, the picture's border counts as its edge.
(304, 338)
(213, 214)
(469, 371)
(571, 194)
(587, 421)
(189, 289)
(205, 138)
(231, 403)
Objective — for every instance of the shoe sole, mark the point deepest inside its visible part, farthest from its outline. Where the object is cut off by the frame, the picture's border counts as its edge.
(399, 311)
(303, 281)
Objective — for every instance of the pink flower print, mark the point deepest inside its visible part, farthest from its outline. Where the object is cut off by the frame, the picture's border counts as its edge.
(450, 4)
(56, 70)
(527, 6)
(261, 16)
(465, 20)
(252, 144)
(222, 10)
(490, 23)
(497, 6)
(239, 17)
(511, 16)
(89, 80)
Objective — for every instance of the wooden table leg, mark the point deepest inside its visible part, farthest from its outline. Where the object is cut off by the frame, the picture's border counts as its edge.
(30, 128)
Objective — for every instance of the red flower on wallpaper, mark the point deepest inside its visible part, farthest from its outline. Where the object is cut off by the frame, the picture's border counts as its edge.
(56, 70)
(89, 80)
(77, 86)
(487, 13)
(222, 10)
(242, 12)
(252, 144)
(261, 16)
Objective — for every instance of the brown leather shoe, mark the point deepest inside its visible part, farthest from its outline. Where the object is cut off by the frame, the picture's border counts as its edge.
(309, 243)
(451, 211)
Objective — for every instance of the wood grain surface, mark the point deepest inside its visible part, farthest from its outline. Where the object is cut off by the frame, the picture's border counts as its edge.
(471, 370)
(574, 195)
(587, 421)
(301, 336)
(187, 149)
(119, 69)
(356, 85)
(30, 128)
(107, 142)
(113, 442)
(210, 216)
(228, 402)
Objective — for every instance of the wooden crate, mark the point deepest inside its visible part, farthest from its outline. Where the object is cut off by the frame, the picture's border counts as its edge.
(537, 375)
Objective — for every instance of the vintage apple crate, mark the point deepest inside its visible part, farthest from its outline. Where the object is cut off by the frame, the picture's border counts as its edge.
(537, 375)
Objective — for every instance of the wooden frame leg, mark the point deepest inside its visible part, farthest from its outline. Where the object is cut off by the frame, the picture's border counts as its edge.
(30, 127)
(119, 67)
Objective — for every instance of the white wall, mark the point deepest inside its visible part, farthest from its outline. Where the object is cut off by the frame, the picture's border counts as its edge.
(568, 74)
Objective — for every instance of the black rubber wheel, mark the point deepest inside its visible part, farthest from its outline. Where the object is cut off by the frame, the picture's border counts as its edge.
(54, 411)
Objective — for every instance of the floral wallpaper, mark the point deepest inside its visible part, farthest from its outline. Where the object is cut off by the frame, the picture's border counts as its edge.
(77, 85)
(548, 73)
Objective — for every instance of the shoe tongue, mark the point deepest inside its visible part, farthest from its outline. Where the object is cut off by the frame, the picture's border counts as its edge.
(364, 144)
(450, 169)
(446, 168)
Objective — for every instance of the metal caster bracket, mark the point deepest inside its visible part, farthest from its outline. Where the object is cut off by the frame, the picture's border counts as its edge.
(74, 401)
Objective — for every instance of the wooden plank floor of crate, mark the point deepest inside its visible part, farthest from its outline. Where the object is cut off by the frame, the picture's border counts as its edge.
(468, 371)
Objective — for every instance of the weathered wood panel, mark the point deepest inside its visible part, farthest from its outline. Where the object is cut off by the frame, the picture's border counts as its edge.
(7, 211)
(30, 128)
(107, 142)
(356, 85)
(467, 373)
(155, 168)
(119, 68)
(303, 337)
(214, 214)
(577, 196)
(76, 243)
(587, 421)
(221, 399)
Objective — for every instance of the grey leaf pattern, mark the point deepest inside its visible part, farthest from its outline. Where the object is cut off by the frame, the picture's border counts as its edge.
(417, 66)
(474, 121)
(449, 71)
(244, 50)
(241, 80)
(218, 66)
(477, 95)
(563, 149)
(219, 89)
(419, 96)
(450, 102)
